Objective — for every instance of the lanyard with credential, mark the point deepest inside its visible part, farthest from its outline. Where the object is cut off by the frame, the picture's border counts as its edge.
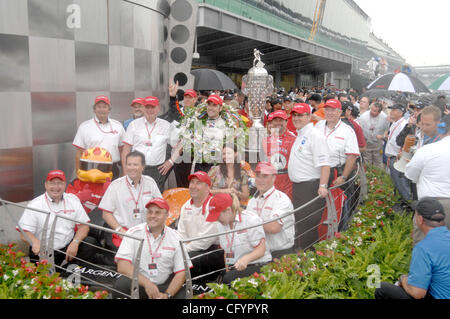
(259, 210)
(392, 132)
(52, 211)
(155, 254)
(136, 201)
(230, 243)
(332, 131)
(110, 127)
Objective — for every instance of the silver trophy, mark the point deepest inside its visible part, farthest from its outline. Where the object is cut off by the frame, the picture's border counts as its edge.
(257, 84)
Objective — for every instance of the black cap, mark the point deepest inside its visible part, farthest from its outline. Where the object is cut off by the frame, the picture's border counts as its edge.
(430, 209)
(228, 97)
(276, 101)
(398, 106)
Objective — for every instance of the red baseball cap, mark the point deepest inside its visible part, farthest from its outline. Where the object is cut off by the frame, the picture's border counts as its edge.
(278, 114)
(333, 103)
(217, 205)
(301, 108)
(202, 176)
(151, 100)
(215, 99)
(160, 202)
(191, 93)
(265, 168)
(56, 174)
(102, 98)
(138, 100)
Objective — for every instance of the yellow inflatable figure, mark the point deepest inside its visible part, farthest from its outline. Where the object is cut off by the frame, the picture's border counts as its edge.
(93, 177)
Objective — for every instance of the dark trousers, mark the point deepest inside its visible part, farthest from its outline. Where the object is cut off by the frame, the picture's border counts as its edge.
(234, 274)
(207, 262)
(390, 291)
(154, 173)
(182, 171)
(116, 170)
(85, 252)
(307, 219)
(123, 285)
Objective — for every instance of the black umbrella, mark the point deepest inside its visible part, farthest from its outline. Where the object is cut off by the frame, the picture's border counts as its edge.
(208, 79)
(377, 93)
(399, 82)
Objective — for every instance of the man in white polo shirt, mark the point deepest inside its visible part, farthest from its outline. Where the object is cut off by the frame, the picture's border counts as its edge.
(67, 243)
(123, 203)
(309, 170)
(270, 203)
(100, 131)
(192, 223)
(150, 135)
(430, 170)
(344, 152)
(402, 184)
(161, 269)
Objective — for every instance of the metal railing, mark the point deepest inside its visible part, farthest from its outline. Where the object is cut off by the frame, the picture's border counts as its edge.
(332, 222)
(47, 249)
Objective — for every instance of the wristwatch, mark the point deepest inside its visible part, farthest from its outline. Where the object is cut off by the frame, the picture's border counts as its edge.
(344, 177)
(324, 186)
(169, 296)
(118, 228)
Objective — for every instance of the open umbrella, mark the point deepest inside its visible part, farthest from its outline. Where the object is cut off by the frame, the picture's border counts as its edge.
(399, 82)
(441, 84)
(208, 79)
(377, 93)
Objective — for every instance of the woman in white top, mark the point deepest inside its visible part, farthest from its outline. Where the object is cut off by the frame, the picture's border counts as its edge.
(246, 250)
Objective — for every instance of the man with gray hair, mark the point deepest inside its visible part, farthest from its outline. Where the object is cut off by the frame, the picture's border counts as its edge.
(374, 124)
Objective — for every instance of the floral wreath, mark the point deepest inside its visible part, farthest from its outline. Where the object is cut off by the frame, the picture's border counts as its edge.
(210, 150)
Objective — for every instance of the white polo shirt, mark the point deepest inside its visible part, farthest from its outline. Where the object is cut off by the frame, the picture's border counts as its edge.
(127, 202)
(192, 223)
(308, 154)
(430, 169)
(92, 133)
(149, 139)
(243, 242)
(166, 253)
(341, 141)
(392, 149)
(33, 221)
(270, 205)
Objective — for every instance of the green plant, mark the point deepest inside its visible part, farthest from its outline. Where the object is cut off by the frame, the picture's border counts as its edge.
(20, 279)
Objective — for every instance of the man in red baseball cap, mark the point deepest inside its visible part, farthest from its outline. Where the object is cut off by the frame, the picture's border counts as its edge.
(69, 234)
(162, 271)
(137, 106)
(277, 147)
(151, 136)
(101, 131)
(269, 204)
(309, 170)
(192, 223)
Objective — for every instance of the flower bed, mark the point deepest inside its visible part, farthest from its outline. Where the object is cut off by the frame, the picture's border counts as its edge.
(376, 247)
(20, 279)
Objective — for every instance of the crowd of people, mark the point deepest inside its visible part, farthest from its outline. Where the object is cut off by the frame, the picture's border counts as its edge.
(315, 139)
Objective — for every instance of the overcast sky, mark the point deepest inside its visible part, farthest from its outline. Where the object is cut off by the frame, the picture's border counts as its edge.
(416, 29)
